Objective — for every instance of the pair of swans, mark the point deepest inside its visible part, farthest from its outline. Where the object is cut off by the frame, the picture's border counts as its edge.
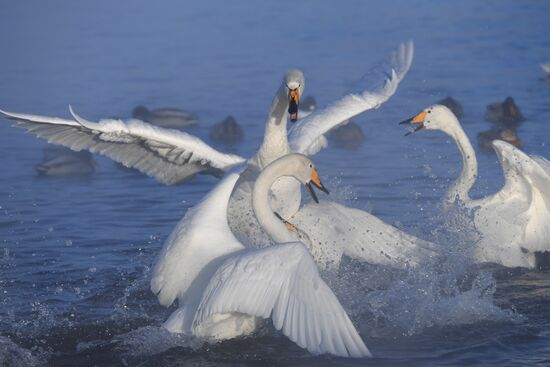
(514, 223)
(174, 156)
(197, 244)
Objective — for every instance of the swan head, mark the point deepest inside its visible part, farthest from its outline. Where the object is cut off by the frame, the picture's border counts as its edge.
(294, 82)
(302, 169)
(435, 117)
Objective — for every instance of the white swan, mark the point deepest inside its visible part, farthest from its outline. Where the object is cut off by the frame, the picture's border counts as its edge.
(227, 288)
(514, 223)
(174, 156)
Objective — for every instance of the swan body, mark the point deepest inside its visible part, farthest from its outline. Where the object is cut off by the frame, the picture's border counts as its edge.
(514, 223)
(225, 289)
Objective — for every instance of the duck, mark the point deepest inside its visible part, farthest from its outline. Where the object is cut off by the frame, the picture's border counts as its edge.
(307, 106)
(167, 117)
(485, 138)
(348, 136)
(513, 223)
(227, 131)
(504, 114)
(60, 161)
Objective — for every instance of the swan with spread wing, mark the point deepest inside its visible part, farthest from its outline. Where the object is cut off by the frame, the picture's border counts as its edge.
(226, 288)
(172, 156)
(514, 223)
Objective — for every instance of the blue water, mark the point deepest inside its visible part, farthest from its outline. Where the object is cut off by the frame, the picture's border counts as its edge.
(76, 253)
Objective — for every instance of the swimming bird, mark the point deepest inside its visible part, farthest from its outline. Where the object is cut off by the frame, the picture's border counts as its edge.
(227, 131)
(308, 104)
(485, 138)
(60, 161)
(504, 114)
(348, 136)
(167, 117)
(546, 68)
(514, 223)
(225, 289)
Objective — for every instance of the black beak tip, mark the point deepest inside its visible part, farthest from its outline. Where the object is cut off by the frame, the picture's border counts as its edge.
(406, 122)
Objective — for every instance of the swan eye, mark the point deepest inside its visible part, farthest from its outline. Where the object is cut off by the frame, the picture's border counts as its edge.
(310, 165)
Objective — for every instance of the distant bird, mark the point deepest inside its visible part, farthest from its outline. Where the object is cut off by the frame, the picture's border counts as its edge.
(348, 136)
(453, 105)
(546, 68)
(307, 106)
(227, 131)
(60, 161)
(172, 118)
(504, 114)
(485, 138)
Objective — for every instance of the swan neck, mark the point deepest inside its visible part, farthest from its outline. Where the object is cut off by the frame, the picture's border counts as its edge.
(461, 188)
(274, 227)
(275, 143)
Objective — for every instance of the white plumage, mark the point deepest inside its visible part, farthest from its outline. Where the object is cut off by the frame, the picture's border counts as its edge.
(514, 223)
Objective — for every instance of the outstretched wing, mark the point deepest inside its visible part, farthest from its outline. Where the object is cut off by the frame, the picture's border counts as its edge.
(189, 255)
(171, 156)
(525, 197)
(282, 281)
(380, 84)
(361, 235)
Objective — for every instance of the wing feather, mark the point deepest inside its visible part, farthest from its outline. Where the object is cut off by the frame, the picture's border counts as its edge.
(171, 156)
(380, 83)
(300, 302)
(189, 256)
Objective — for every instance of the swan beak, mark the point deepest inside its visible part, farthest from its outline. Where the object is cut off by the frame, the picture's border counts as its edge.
(293, 103)
(317, 182)
(418, 119)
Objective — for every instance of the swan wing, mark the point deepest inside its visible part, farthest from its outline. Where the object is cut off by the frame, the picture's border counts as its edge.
(527, 181)
(201, 238)
(380, 84)
(282, 281)
(360, 235)
(170, 156)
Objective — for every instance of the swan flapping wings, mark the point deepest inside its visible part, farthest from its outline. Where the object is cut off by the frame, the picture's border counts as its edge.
(525, 197)
(170, 156)
(378, 85)
(282, 282)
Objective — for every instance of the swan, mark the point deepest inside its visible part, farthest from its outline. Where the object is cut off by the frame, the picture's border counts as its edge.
(226, 289)
(167, 117)
(174, 156)
(514, 223)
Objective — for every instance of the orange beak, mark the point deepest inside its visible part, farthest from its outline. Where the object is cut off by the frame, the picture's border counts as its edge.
(418, 119)
(317, 182)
